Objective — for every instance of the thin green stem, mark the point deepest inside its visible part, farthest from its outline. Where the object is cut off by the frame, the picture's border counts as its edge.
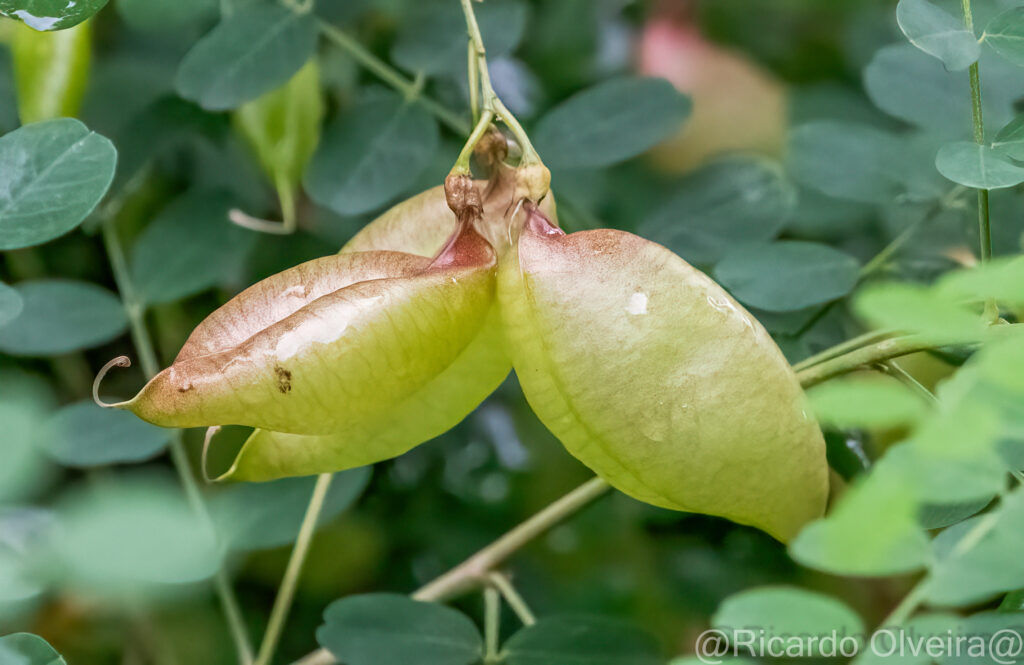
(135, 311)
(392, 77)
(483, 124)
(473, 73)
(286, 592)
(490, 97)
(842, 348)
(893, 368)
(473, 571)
(872, 354)
(512, 597)
(984, 220)
(492, 624)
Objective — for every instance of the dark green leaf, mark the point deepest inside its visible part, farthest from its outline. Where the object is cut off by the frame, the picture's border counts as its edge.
(1010, 139)
(136, 534)
(52, 174)
(22, 531)
(61, 316)
(940, 515)
(786, 611)
(190, 246)
(163, 124)
(83, 434)
(10, 304)
(910, 85)
(610, 122)
(847, 161)
(787, 275)
(254, 516)
(27, 402)
(1005, 33)
(846, 453)
(388, 629)
(28, 649)
(432, 38)
(565, 640)
(46, 15)
(937, 32)
(371, 154)
(726, 203)
(251, 52)
(164, 14)
(977, 166)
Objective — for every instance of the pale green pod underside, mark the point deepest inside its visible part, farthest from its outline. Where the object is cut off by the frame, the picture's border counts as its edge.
(344, 356)
(655, 378)
(432, 410)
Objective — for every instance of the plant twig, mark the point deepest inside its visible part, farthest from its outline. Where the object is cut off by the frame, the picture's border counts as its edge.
(286, 592)
(474, 571)
(135, 311)
(978, 122)
(392, 77)
(512, 597)
(492, 624)
(490, 97)
(872, 354)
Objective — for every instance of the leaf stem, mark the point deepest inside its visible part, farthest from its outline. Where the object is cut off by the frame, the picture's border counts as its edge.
(842, 348)
(483, 124)
(135, 311)
(474, 571)
(490, 97)
(872, 354)
(512, 597)
(492, 624)
(286, 592)
(984, 221)
(392, 77)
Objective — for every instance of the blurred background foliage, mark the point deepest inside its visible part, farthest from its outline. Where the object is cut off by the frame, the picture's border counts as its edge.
(758, 187)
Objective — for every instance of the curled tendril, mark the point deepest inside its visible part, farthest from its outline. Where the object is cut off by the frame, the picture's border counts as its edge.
(120, 361)
(207, 438)
(247, 221)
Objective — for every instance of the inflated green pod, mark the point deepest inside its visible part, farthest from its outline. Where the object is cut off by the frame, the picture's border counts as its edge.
(51, 70)
(283, 129)
(655, 378)
(333, 342)
(420, 225)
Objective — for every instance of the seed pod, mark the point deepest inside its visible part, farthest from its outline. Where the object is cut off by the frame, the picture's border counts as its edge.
(433, 409)
(50, 70)
(283, 128)
(331, 344)
(654, 377)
